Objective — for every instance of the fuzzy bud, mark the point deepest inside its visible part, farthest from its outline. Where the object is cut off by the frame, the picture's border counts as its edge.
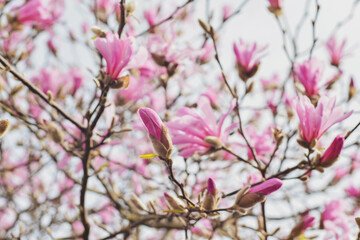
(98, 32)
(4, 126)
(174, 203)
(137, 202)
(54, 132)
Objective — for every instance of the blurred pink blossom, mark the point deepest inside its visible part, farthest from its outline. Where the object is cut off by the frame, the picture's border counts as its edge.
(335, 50)
(309, 73)
(248, 58)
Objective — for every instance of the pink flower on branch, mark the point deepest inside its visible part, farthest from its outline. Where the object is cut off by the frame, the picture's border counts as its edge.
(332, 153)
(119, 54)
(315, 121)
(158, 132)
(335, 50)
(267, 187)
(35, 12)
(194, 133)
(275, 7)
(248, 59)
(309, 73)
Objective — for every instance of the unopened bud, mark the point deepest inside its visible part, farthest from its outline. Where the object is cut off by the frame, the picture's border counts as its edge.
(158, 132)
(211, 200)
(174, 203)
(54, 132)
(249, 200)
(352, 89)
(98, 32)
(4, 126)
(137, 202)
(206, 27)
(278, 135)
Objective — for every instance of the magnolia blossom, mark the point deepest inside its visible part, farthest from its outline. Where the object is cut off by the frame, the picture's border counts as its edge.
(119, 54)
(191, 131)
(309, 73)
(248, 59)
(150, 16)
(332, 152)
(263, 144)
(275, 3)
(314, 121)
(227, 10)
(35, 12)
(334, 220)
(267, 187)
(158, 132)
(335, 50)
(352, 191)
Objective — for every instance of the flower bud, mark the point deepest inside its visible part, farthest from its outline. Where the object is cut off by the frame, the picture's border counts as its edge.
(275, 7)
(267, 187)
(211, 200)
(98, 32)
(174, 203)
(137, 202)
(352, 89)
(332, 153)
(249, 200)
(299, 228)
(4, 126)
(54, 132)
(158, 132)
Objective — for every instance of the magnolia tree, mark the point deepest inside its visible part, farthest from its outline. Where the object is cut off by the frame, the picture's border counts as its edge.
(154, 120)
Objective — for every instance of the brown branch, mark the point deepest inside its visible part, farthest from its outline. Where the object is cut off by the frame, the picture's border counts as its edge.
(122, 17)
(171, 16)
(39, 93)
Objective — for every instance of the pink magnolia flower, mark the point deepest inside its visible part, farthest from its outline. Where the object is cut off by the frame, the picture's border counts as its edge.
(227, 9)
(190, 130)
(276, 3)
(35, 12)
(353, 192)
(150, 16)
(315, 121)
(267, 187)
(51, 79)
(119, 54)
(332, 152)
(158, 132)
(263, 144)
(335, 50)
(270, 83)
(334, 219)
(309, 73)
(248, 59)
(105, 8)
